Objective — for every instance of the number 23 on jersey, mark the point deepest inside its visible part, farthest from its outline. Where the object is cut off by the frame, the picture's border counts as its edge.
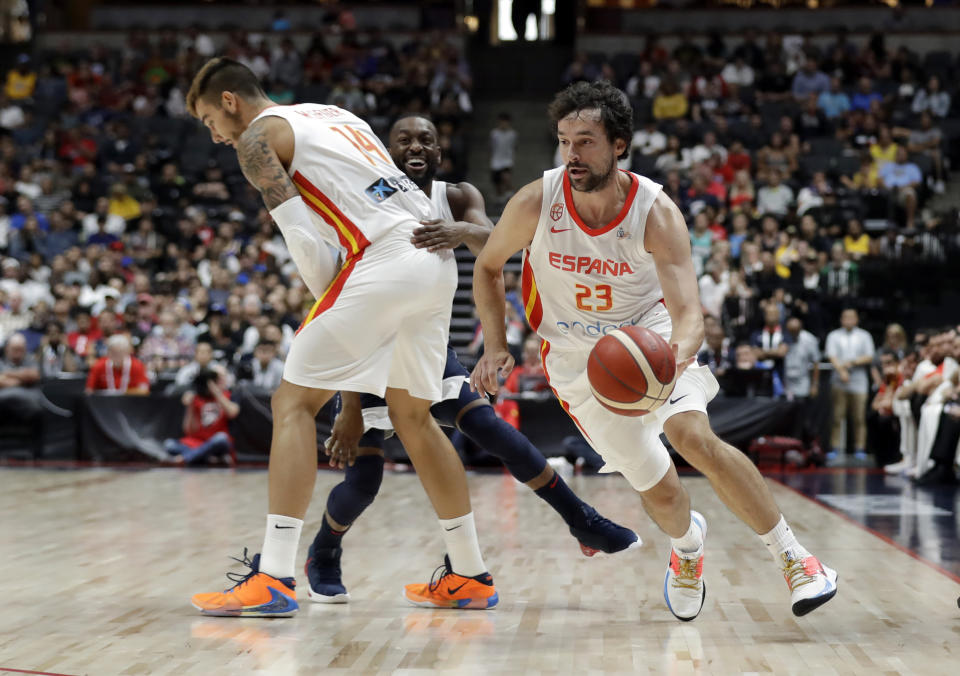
(596, 299)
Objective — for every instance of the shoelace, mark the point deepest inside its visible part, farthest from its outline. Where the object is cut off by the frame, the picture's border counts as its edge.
(687, 577)
(239, 579)
(795, 572)
(435, 581)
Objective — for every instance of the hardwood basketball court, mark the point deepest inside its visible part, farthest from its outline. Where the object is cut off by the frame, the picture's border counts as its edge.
(98, 567)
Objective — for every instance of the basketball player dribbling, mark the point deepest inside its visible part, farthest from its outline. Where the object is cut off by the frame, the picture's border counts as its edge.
(356, 442)
(605, 248)
(380, 326)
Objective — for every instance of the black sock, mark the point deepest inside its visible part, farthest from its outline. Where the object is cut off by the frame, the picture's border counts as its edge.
(327, 537)
(558, 495)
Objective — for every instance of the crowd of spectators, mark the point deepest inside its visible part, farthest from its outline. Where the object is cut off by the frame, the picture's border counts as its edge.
(132, 251)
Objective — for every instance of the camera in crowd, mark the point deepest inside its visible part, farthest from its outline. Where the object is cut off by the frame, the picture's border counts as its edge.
(201, 383)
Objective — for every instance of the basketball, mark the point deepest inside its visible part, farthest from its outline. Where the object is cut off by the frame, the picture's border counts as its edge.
(631, 371)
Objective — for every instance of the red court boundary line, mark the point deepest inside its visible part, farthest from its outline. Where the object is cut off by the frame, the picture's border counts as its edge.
(876, 534)
(27, 671)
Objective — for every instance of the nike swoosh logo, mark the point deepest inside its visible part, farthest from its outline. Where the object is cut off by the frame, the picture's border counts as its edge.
(674, 401)
(554, 229)
(277, 525)
(455, 589)
(454, 528)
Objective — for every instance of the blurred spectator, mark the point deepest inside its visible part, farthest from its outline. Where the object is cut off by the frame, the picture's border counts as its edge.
(21, 81)
(503, 145)
(809, 80)
(884, 149)
(865, 95)
(267, 369)
(883, 432)
(714, 286)
(206, 436)
(649, 140)
(902, 178)
(856, 242)
(932, 99)
(527, 377)
(56, 357)
(716, 353)
(776, 197)
(801, 377)
(202, 359)
(850, 350)
(738, 72)
(834, 102)
(669, 103)
(927, 140)
(19, 373)
(119, 372)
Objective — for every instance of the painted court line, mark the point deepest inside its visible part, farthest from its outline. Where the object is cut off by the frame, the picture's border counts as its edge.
(881, 536)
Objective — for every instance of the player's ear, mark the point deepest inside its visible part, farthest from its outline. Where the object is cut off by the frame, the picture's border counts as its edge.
(619, 146)
(228, 101)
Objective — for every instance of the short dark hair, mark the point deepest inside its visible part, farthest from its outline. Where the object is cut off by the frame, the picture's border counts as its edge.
(616, 113)
(220, 75)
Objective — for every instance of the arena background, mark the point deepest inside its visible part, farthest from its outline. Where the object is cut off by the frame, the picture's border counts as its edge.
(94, 129)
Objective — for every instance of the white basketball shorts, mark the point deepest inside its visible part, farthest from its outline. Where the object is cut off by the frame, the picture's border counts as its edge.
(628, 445)
(383, 322)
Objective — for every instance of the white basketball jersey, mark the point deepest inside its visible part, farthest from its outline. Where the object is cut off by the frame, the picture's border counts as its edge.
(345, 175)
(438, 198)
(578, 283)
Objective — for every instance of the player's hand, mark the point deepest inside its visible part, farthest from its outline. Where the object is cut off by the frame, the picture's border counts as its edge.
(681, 365)
(485, 378)
(187, 398)
(844, 375)
(437, 234)
(345, 437)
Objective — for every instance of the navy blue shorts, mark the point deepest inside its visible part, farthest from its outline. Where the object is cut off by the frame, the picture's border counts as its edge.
(445, 412)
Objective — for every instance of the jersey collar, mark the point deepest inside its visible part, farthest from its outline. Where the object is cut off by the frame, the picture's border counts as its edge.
(627, 203)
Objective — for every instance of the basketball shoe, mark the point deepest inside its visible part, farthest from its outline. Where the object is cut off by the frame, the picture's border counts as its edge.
(811, 583)
(255, 594)
(446, 589)
(323, 575)
(683, 587)
(599, 535)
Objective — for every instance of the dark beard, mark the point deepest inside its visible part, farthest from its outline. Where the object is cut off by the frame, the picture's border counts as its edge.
(427, 178)
(596, 182)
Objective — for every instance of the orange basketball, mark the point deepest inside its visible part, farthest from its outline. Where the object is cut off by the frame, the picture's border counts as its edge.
(631, 371)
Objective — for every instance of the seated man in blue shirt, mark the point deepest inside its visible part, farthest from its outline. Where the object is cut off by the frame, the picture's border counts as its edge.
(901, 177)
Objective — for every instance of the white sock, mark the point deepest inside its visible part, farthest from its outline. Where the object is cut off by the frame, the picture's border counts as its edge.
(460, 536)
(782, 539)
(279, 554)
(689, 542)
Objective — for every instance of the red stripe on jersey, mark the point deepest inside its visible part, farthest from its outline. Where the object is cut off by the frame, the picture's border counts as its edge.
(627, 203)
(532, 306)
(350, 236)
(544, 351)
(330, 296)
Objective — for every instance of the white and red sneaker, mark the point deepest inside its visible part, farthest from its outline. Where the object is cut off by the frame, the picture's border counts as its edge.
(811, 583)
(683, 587)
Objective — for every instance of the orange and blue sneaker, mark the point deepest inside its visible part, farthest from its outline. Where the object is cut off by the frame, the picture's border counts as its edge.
(599, 535)
(255, 594)
(446, 589)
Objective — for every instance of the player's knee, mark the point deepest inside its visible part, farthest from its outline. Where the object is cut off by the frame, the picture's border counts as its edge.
(700, 447)
(365, 476)
(409, 418)
(666, 497)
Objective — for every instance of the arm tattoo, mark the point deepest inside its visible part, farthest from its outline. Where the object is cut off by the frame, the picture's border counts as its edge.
(262, 167)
